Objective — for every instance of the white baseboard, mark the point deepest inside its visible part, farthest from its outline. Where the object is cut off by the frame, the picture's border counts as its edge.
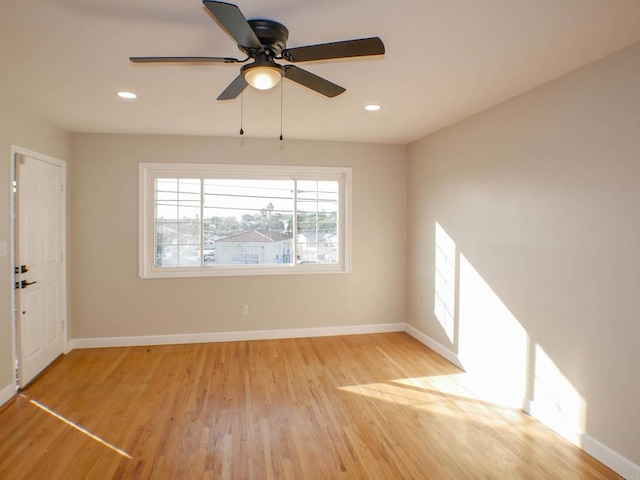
(7, 393)
(214, 337)
(624, 467)
(433, 345)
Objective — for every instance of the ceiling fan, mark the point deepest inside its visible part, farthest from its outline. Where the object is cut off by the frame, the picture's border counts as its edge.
(265, 41)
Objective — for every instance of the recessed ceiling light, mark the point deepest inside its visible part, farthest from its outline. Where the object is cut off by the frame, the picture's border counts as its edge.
(127, 95)
(372, 107)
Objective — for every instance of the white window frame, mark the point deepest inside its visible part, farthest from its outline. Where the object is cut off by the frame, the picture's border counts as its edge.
(149, 172)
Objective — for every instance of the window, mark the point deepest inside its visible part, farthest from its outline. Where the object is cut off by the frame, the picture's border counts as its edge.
(210, 220)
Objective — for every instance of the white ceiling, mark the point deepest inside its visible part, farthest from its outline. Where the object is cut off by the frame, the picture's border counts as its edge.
(445, 60)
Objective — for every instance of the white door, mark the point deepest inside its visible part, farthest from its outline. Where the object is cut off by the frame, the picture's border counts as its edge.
(40, 292)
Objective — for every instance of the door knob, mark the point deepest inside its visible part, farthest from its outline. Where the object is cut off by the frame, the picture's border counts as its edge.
(25, 283)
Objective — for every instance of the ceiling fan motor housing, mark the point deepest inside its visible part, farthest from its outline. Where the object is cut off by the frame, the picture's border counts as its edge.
(272, 35)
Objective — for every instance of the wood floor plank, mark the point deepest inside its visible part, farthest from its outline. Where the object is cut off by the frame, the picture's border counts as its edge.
(354, 407)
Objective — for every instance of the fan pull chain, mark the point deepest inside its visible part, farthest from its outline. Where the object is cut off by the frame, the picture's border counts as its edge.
(241, 112)
(281, 96)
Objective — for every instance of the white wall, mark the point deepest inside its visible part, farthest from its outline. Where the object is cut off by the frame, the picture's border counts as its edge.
(21, 129)
(109, 300)
(541, 195)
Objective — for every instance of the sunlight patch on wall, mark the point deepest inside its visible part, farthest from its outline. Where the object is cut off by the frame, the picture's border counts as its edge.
(445, 291)
(503, 366)
(557, 403)
(492, 345)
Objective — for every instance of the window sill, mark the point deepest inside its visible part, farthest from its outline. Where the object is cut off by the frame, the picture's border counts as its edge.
(241, 271)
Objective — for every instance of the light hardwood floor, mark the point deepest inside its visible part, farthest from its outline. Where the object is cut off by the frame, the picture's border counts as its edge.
(358, 407)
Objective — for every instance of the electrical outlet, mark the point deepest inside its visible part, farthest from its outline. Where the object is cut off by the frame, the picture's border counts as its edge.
(244, 309)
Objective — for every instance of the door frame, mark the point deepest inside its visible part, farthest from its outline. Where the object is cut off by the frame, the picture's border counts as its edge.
(13, 237)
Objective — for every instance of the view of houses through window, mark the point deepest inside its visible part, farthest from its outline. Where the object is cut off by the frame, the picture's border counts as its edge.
(202, 222)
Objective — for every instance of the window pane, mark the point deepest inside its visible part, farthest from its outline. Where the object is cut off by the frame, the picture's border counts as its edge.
(189, 255)
(177, 222)
(317, 211)
(166, 233)
(166, 256)
(189, 233)
(167, 199)
(189, 199)
(248, 221)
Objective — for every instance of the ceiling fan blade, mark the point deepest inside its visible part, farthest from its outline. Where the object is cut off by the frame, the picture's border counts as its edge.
(361, 47)
(233, 22)
(234, 89)
(183, 60)
(312, 81)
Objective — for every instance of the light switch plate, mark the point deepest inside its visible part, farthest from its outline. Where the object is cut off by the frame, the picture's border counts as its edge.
(3, 248)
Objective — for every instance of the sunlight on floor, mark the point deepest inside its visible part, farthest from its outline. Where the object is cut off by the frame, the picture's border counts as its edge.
(458, 385)
(439, 392)
(397, 394)
(404, 393)
(456, 396)
(77, 427)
